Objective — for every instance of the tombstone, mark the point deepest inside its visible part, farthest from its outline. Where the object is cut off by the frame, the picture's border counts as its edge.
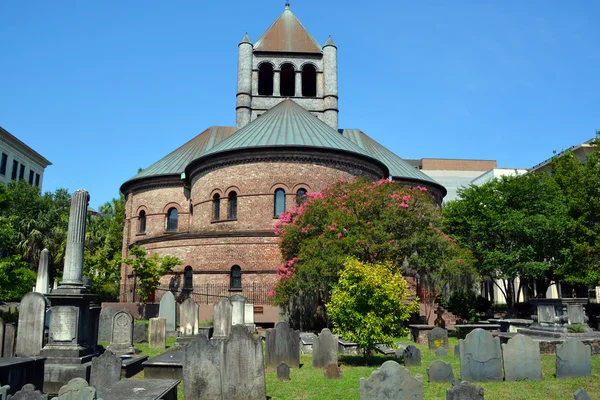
(391, 381)
(238, 310)
(480, 357)
(32, 314)
(412, 356)
(575, 313)
(581, 394)
(399, 354)
(440, 371)
(42, 282)
(249, 317)
(283, 372)
(10, 338)
(140, 332)
(167, 310)
(441, 352)
(457, 350)
(28, 392)
(4, 392)
(573, 359)
(77, 389)
(121, 341)
(106, 370)
(439, 321)
(222, 318)
(201, 372)
(1, 336)
(437, 337)
(188, 318)
(54, 285)
(283, 345)
(158, 335)
(522, 359)
(325, 349)
(105, 325)
(333, 371)
(462, 390)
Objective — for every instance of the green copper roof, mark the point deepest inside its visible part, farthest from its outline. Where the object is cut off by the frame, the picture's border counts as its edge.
(287, 125)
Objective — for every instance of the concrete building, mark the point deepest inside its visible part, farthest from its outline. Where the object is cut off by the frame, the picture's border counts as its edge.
(19, 161)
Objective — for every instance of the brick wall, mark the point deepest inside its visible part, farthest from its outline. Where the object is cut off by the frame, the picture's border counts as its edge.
(457, 165)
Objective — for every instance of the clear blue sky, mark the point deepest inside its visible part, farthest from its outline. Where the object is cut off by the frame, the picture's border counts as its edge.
(101, 88)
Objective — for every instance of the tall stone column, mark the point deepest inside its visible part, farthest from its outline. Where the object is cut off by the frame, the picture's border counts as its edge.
(276, 83)
(73, 269)
(298, 91)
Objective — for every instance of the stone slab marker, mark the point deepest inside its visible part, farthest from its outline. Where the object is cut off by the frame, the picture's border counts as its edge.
(249, 317)
(32, 314)
(480, 357)
(283, 345)
(106, 370)
(440, 371)
(457, 350)
(157, 338)
(201, 369)
(222, 318)
(167, 310)
(121, 341)
(438, 337)
(441, 352)
(188, 318)
(1, 336)
(77, 389)
(140, 332)
(283, 372)
(462, 390)
(325, 349)
(10, 338)
(332, 371)
(573, 359)
(238, 310)
(412, 356)
(391, 381)
(522, 359)
(4, 392)
(42, 282)
(581, 394)
(105, 324)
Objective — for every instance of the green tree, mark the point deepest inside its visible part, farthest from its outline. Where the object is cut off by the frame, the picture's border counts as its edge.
(368, 305)
(16, 279)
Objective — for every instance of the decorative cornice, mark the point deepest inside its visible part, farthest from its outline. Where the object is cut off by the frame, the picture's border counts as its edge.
(152, 182)
(204, 235)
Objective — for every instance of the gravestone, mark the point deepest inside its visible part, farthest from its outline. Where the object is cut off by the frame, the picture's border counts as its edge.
(222, 318)
(480, 357)
(121, 341)
(42, 282)
(167, 310)
(441, 352)
(325, 349)
(188, 318)
(238, 310)
(158, 334)
(201, 369)
(28, 392)
(1, 336)
(391, 381)
(140, 332)
(438, 337)
(522, 359)
(10, 338)
(545, 314)
(283, 372)
(4, 392)
(576, 314)
(106, 370)
(283, 345)
(457, 350)
(32, 313)
(333, 371)
(462, 390)
(249, 317)
(573, 359)
(77, 389)
(581, 394)
(439, 321)
(106, 317)
(412, 356)
(440, 371)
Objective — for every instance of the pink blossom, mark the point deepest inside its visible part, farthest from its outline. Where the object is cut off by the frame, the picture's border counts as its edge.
(406, 198)
(271, 293)
(404, 205)
(459, 260)
(339, 235)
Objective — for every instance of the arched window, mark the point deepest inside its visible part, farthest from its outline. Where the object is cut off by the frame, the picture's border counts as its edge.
(309, 81)
(188, 278)
(300, 196)
(142, 222)
(279, 202)
(235, 277)
(265, 80)
(287, 80)
(216, 207)
(172, 220)
(232, 206)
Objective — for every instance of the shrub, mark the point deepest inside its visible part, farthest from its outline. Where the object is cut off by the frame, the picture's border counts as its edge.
(467, 305)
(575, 328)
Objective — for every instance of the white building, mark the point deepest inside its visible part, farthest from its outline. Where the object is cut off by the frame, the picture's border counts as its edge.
(19, 161)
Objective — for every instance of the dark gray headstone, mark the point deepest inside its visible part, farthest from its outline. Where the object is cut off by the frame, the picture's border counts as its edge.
(440, 371)
(333, 371)
(106, 317)
(157, 339)
(28, 392)
(576, 314)
(188, 318)
(522, 359)
(457, 350)
(32, 314)
(106, 370)
(462, 390)
(283, 345)
(437, 337)
(581, 394)
(480, 357)
(441, 352)
(201, 369)
(412, 356)
(121, 341)
(573, 359)
(222, 318)
(325, 349)
(167, 310)
(77, 389)
(391, 381)
(283, 372)
(10, 340)
(140, 332)
(1, 336)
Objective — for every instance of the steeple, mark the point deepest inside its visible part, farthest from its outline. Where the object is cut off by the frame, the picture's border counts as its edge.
(287, 34)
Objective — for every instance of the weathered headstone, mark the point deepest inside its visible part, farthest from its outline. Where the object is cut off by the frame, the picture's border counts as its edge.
(391, 381)
(283, 345)
(462, 390)
(32, 313)
(77, 389)
(325, 349)
(573, 359)
(412, 356)
(238, 309)
(28, 392)
(42, 282)
(480, 357)
(106, 317)
(1, 336)
(581, 394)
(140, 332)
(188, 318)
(441, 352)
(457, 350)
(158, 335)
(249, 317)
(201, 369)
(522, 359)
(4, 392)
(106, 370)
(167, 310)
(222, 318)
(121, 341)
(10, 338)
(333, 371)
(440, 371)
(576, 314)
(545, 314)
(438, 337)
(283, 372)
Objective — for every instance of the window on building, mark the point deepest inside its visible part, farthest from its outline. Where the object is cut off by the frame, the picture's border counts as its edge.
(188, 278)
(265, 80)
(287, 80)
(235, 277)
(3, 163)
(15, 168)
(300, 196)
(37, 180)
(30, 177)
(22, 172)
(232, 206)
(279, 202)
(142, 222)
(216, 207)
(172, 220)
(309, 81)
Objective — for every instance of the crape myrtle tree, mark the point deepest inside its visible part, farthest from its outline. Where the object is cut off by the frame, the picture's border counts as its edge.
(374, 222)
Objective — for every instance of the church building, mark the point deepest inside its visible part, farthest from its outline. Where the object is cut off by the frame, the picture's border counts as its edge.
(213, 201)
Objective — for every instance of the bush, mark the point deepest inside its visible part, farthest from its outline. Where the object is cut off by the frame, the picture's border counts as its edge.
(467, 305)
(576, 328)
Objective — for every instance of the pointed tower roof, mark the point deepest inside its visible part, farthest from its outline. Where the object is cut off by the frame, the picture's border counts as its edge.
(288, 35)
(246, 39)
(329, 42)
